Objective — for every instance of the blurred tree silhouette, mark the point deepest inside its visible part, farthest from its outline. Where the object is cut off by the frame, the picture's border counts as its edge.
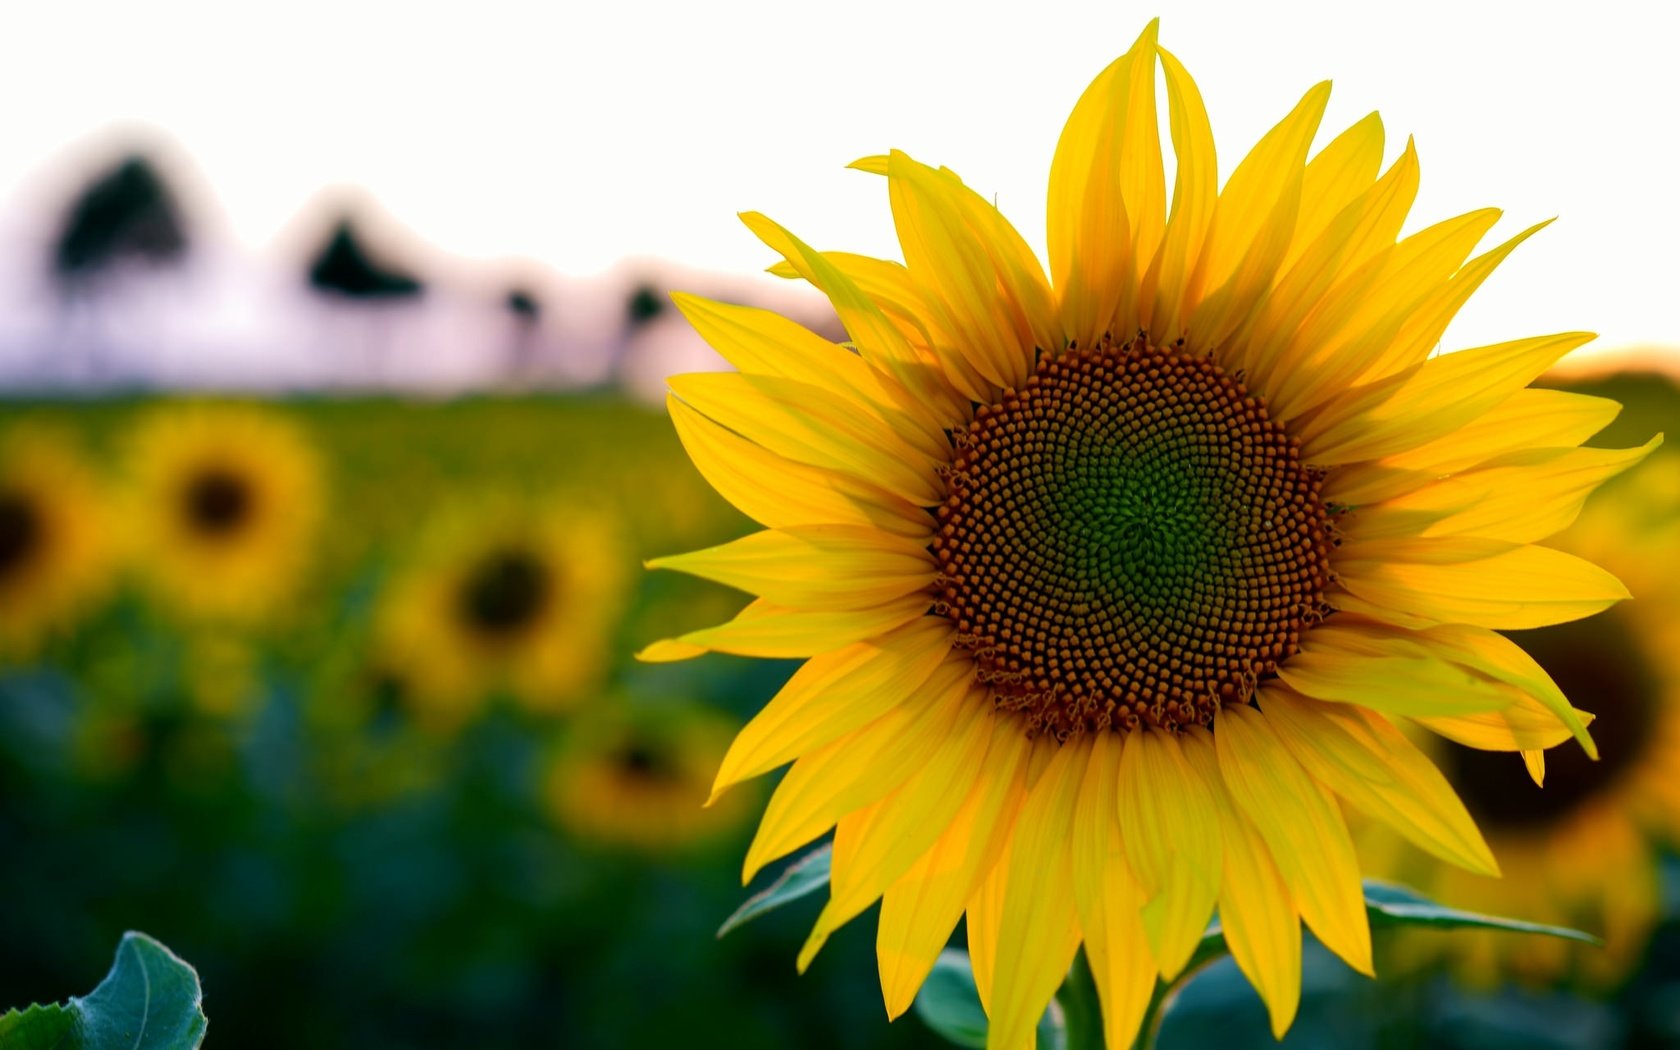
(343, 266)
(524, 304)
(345, 270)
(646, 305)
(126, 217)
(127, 213)
(526, 310)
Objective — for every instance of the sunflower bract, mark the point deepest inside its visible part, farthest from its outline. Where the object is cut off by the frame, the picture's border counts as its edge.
(1107, 579)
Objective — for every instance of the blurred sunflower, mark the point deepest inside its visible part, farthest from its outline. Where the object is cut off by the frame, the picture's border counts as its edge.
(1110, 584)
(225, 502)
(54, 540)
(1582, 851)
(638, 780)
(506, 597)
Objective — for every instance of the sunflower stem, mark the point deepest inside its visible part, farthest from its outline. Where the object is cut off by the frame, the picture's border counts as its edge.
(1083, 1012)
(1149, 1029)
(1078, 996)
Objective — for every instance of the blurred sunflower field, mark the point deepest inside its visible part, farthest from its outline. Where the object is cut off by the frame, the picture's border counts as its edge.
(338, 698)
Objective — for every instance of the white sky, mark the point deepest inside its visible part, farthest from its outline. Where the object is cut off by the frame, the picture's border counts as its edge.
(576, 135)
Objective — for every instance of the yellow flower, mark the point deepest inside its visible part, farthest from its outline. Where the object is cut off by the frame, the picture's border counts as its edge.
(54, 540)
(225, 505)
(504, 596)
(1110, 585)
(638, 781)
(1582, 852)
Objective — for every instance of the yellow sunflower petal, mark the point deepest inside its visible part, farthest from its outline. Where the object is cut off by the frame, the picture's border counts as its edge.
(1338, 175)
(1418, 406)
(1485, 583)
(762, 342)
(814, 426)
(1039, 928)
(1521, 497)
(944, 253)
(889, 286)
(981, 923)
(776, 491)
(1368, 762)
(849, 773)
(1109, 900)
(776, 632)
(1524, 726)
(1171, 837)
(812, 566)
(1379, 667)
(921, 909)
(1317, 296)
(877, 338)
(835, 694)
(1229, 309)
(1107, 193)
(1163, 295)
(1302, 828)
(1260, 920)
(1531, 418)
(876, 845)
(1251, 196)
(1020, 276)
(1498, 657)
(1369, 344)
(1429, 318)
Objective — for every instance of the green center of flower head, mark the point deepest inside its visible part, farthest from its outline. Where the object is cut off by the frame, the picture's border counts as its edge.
(1598, 663)
(1128, 540)
(20, 531)
(217, 502)
(505, 593)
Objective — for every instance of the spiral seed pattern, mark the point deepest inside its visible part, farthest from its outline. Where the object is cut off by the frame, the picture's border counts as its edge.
(1129, 540)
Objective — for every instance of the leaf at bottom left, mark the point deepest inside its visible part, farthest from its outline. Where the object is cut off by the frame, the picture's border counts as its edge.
(150, 1000)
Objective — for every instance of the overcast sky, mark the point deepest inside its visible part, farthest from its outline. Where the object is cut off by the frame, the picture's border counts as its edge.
(578, 134)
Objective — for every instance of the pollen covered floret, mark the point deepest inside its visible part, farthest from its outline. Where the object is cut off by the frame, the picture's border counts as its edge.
(1128, 540)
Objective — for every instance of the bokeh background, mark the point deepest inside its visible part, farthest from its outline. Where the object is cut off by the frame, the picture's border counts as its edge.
(332, 346)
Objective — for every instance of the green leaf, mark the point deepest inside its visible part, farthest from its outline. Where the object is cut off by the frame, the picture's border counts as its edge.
(804, 876)
(149, 1001)
(950, 1005)
(1391, 905)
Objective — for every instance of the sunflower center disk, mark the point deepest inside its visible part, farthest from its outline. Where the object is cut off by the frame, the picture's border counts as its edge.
(218, 502)
(20, 531)
(504, 593)
(1128, 540)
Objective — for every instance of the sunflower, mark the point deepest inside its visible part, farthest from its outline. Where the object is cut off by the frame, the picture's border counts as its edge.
(1583, 851)
(54, 540)
(1110, 585)
(637, 781)
(506, 596)
(226, 506)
